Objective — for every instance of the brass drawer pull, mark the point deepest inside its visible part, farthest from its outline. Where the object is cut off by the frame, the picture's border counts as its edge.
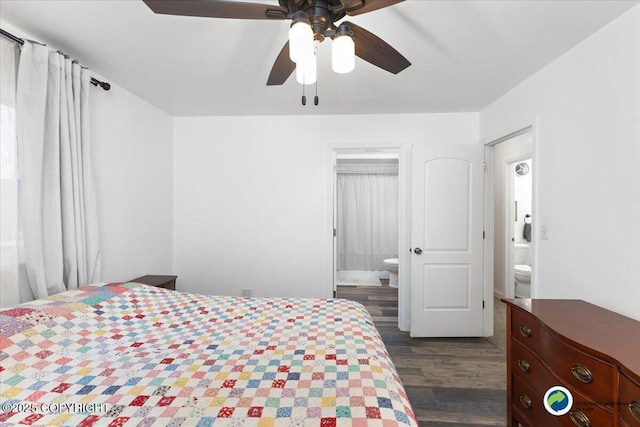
(525, 331)
(582, 374)
(634, 408)
(524, 365)
(526, 402)
(579, 418)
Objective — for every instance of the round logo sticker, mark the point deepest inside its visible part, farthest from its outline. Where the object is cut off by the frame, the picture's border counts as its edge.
(558, 400)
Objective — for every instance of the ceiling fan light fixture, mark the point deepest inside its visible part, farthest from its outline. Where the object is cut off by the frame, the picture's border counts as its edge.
(306, 71)
(300, 38)
(343, 51)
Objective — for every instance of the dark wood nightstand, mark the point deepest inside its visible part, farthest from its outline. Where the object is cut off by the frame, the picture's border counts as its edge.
(166, 282)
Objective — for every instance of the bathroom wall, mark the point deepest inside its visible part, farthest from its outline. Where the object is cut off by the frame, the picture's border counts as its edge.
(586, 111)
(505, 152)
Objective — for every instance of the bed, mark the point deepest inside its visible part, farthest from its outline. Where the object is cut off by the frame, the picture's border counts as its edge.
(127, 354)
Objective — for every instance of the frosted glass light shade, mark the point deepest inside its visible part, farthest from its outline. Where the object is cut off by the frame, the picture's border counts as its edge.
(343, 54)
(306, 72)
(300, 41)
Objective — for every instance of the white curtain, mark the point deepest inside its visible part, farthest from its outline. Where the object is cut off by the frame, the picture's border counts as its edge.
(12, 291)
(57, 194)
(367, 220)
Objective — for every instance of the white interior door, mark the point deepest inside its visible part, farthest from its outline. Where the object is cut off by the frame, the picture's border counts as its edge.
(446, 238)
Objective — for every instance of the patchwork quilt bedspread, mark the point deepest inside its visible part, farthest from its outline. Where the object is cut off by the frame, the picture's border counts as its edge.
(126, 354)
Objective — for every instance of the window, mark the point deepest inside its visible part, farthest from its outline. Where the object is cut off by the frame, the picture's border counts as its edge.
(10, 237)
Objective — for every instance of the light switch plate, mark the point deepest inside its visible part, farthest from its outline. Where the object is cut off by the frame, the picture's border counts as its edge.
(544, 231)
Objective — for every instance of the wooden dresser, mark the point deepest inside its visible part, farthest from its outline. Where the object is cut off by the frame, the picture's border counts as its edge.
(592, 352)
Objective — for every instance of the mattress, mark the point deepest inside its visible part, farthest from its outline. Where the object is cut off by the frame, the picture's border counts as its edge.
(126, 354)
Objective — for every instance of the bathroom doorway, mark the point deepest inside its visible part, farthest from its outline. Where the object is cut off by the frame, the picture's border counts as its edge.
(512, 187)
(367, 219)
(369, 212)
(520, 173)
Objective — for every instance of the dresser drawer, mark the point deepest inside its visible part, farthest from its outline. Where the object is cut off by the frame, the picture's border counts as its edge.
(587, 416)
(527, 330)
(517, 422)
(530, 370)
(629, 401)
(528, 402)
(590, 376)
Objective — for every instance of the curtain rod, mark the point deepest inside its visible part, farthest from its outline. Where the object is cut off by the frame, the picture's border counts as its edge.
(94, 81)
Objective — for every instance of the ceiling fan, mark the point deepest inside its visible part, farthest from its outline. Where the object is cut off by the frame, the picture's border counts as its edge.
(312, 21)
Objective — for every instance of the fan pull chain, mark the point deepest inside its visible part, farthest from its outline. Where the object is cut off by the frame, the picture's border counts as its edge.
(304, 98)
(316, 99)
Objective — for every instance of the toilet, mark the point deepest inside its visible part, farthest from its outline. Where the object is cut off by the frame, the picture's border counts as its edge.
(391, 265)
(522, 275)
(522, 271)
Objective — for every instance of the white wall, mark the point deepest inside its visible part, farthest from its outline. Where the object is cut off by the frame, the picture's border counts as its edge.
(505, 152)
(586, 105)
(252, 195)
(132, 159)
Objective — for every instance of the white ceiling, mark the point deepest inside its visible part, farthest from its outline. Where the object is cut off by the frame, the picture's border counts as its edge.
(465, 54)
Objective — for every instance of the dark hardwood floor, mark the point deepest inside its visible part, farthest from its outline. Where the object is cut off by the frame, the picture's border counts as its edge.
(450, 381)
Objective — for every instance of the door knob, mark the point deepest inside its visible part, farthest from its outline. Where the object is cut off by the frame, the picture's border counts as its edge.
(417, 251)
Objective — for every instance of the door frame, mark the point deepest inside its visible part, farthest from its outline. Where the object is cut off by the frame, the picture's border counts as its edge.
(530, 125)
(403, 150)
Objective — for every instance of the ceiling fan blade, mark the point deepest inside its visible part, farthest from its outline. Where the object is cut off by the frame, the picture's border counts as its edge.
(282, 68)
(217, 9)
(371, 5)
(376, 51)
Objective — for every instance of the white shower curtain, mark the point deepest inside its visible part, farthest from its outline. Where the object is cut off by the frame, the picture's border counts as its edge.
(367, 220)
(57, 195)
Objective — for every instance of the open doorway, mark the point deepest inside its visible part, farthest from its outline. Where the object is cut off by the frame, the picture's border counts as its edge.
(520, 174)
(367, 220)
(369, 223)
(512, 169)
